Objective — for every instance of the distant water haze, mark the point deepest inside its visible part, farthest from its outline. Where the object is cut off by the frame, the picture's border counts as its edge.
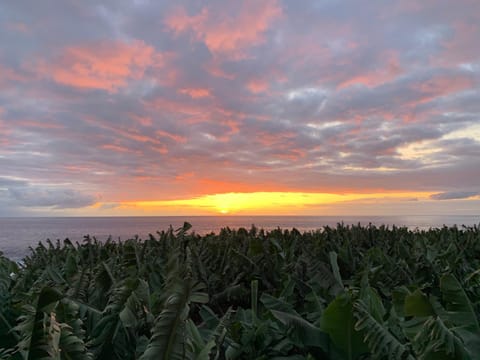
(17, 234)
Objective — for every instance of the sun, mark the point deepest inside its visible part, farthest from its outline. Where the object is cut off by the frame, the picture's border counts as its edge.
(266, 203)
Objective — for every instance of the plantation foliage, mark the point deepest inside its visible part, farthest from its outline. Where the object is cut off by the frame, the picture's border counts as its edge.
(348, 292)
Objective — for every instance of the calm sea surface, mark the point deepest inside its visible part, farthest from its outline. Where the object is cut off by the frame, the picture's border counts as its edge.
(17, 234)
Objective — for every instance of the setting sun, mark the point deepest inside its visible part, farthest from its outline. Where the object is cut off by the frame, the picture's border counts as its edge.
(262, 203)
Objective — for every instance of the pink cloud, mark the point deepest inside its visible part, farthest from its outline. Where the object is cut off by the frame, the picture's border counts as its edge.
(38, 124)
(388, 72)
(77, 168)
(129, 134)
(8, 76)
(257, 86)
(233, 128)
(181, 109)
(460, 48)
(196, 93)
(441, 86)
(142, 120)
(102, 65)
(116, 148)
(195, 113)
(270, 140)
(214, 68)
(228, 29)
(3, 131)
(174, 137)
(283, 143)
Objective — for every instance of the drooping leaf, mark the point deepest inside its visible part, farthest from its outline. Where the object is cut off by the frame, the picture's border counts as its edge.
(301, 329)
(417, 304)
(380, 341)
(339, 323)
(168, 339)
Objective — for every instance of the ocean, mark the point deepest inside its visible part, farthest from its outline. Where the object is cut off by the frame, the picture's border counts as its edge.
(17, 234)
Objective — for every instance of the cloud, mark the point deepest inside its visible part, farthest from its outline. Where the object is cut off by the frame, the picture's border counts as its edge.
(451, 195)
(227, 29)
(50, 197)
(9, 77)
(47, 198)
(196, 93)
(6, 182)
(110, 206)
(19, 193)
(247, 96)
(106, 65)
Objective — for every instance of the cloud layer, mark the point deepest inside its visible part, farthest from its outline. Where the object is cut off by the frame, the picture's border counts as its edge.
(173, 100)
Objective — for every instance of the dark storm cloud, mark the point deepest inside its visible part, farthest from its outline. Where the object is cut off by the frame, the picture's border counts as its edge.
(152, 99)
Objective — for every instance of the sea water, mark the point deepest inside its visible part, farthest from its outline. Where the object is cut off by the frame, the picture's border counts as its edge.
(17, 234)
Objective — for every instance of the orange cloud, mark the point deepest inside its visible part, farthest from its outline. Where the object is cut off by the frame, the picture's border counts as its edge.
(185, 176)
(207, 186)
(227, 31)
(102, 65)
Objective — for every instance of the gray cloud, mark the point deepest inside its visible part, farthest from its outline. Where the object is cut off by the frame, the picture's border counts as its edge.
(56, 198)
(17, 196)
(451, 195)
(6, 183)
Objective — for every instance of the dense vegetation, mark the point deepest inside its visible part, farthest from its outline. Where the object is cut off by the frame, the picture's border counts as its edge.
(339, 293)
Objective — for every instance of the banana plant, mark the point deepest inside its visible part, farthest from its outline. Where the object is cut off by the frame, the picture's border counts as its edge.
(344, 292)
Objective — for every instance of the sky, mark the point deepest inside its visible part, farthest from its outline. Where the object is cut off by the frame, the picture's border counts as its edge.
(282, 107)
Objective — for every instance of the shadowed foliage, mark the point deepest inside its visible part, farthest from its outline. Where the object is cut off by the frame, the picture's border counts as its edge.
(349, 292)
